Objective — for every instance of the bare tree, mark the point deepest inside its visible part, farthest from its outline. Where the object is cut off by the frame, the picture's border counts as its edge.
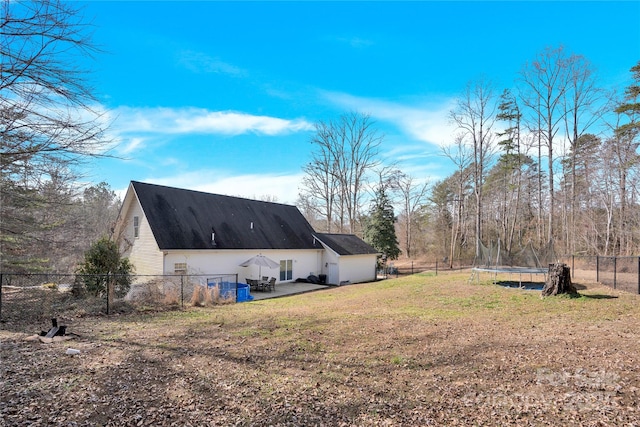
(320, 183)
(346, 150)
(475, 116)
(47, 120)
(362, 143)
(462, 158)
(583, 109)
(545, 84)
(413, 195)
(46, 104)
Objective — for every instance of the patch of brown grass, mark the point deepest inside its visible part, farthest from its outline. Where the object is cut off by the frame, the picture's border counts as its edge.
(171, 296)
(198, 295)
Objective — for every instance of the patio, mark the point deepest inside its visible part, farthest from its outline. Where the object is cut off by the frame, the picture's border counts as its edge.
(286, 289)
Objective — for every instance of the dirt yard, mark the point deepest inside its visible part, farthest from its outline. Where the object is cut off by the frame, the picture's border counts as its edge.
(415, 351)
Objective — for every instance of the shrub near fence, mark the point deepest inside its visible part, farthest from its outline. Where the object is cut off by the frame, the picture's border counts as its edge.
(36, 298)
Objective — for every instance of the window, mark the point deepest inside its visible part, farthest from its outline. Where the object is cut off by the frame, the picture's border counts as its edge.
(286, 269)
(180, 268)
(136, 226)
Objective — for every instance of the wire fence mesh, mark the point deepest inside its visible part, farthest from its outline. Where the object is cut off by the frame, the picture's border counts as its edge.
(35, 298)
(618, 272)
(408, 267)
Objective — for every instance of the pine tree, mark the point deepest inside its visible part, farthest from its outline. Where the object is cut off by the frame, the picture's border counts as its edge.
(104, 270)
(631, 106)
(379, 230)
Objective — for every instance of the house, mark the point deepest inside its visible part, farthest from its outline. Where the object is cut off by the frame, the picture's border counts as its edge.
(347, 258)
(166, 230)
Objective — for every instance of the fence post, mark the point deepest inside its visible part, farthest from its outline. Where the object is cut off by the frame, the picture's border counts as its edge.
(598, 268)
(237, 287)
(108, 294)
(639, 275)
(436, 267)
(615, 271)
(1, 284)
(182, 291)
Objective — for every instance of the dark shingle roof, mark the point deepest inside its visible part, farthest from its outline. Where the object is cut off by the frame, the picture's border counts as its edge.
(346, 244)
(185, 219)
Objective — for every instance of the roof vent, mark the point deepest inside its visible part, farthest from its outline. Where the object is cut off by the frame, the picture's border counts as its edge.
(213, 237)
(251, 225)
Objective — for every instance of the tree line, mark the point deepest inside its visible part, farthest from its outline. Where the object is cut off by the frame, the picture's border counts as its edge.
(549, 164)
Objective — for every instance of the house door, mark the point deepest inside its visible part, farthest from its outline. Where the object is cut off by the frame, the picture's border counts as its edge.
(332, 274)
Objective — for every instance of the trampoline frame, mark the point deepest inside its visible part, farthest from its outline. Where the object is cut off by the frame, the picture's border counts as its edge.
(509, 270)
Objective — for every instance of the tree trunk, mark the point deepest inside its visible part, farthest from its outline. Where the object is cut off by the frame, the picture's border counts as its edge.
(558, 281)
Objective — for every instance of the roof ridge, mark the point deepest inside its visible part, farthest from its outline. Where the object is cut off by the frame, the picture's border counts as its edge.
(209, 193)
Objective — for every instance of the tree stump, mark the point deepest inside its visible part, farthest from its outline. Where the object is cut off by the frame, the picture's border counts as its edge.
(558, 281)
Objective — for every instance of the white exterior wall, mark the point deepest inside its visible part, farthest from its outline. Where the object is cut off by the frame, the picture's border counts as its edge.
(214, 261)
(357, 268)
(329, 259)
(142, 251)
(352, 268)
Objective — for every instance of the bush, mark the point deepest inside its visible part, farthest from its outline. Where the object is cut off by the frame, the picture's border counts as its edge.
(104, 266)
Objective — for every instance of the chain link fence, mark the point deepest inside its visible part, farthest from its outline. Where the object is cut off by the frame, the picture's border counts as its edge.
(618, 272)
(35, 298)
(396, 269)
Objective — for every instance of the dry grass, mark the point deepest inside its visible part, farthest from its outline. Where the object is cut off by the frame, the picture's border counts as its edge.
(419, 350)
(197, 296)
(171, 296)
(204, 296)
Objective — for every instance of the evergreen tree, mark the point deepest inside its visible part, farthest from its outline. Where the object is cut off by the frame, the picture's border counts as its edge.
(379, 230)
(631, 106)
(104, 270)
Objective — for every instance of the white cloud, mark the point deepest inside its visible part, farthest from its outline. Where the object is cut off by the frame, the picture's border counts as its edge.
(355, 42)
(199, 62)
(132, 145)
(282, 187)
(425, 123)
(202, 121)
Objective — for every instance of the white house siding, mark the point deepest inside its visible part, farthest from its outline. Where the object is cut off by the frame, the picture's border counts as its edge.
(143, 250)
(357, 268)
(351, 268)
(330, 264)
(216, 262)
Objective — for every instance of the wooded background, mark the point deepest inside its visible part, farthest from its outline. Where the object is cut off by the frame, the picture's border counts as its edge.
(549, 164)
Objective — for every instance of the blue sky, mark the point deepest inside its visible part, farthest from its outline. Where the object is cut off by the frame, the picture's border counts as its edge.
(222, 96)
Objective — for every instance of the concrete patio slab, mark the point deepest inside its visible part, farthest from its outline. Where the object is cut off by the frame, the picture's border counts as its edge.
(286, 289)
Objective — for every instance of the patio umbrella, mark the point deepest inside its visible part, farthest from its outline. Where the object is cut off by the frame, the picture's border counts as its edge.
(260, 261)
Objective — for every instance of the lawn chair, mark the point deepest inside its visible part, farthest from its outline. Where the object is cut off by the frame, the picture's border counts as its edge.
(271, 286)
(253, 284)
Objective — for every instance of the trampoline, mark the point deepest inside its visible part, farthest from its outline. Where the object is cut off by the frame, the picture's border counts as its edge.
(531, 271)
(494, 260)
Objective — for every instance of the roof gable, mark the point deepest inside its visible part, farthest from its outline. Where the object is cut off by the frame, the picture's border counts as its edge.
(346, 244)
(186, 219)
